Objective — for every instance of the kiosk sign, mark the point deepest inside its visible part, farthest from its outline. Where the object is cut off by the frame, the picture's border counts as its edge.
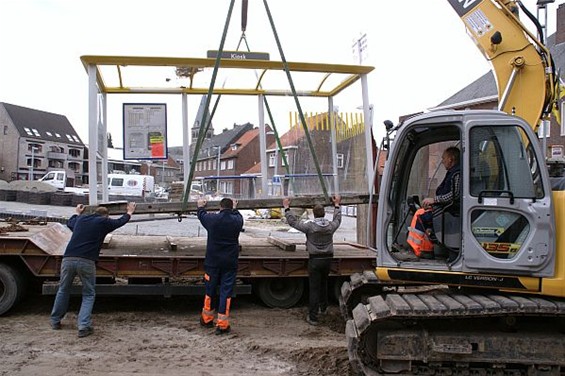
(145, 130)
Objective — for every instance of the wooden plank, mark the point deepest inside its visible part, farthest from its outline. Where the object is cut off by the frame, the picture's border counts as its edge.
(119, 207)
(172, 244)
(107, 240)
(284, 245)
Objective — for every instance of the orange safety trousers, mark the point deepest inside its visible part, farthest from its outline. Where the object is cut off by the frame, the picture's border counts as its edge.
(207, 311)
(419, 240)
(223, 318)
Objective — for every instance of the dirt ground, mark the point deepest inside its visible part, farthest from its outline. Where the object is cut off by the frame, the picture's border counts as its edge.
(158, 336)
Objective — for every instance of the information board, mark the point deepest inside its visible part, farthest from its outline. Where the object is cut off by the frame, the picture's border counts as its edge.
(145, 130)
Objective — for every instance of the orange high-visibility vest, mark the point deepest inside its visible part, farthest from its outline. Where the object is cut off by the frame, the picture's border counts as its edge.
(417, 239)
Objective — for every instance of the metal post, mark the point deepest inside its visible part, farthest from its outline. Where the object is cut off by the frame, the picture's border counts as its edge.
(31, 165)
(263, 146)
(275, 173)
(104, 147)
(545, 123)
(186, 140)
(92, 136)
(218, 168)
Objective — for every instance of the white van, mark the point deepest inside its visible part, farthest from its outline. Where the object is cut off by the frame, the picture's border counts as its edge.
(58, 179)
(131, 185)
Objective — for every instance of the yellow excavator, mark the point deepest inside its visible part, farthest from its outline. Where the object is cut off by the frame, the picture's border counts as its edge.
(491, 299)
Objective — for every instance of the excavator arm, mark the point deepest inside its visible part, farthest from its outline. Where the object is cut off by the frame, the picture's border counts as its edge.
(522, 65)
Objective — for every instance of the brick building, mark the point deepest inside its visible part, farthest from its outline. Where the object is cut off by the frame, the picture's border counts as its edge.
(34, 142)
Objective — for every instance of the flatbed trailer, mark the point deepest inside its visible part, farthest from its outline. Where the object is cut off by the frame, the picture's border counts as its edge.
(275, 269)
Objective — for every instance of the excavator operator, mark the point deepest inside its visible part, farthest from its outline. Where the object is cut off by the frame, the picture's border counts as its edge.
(421, 235)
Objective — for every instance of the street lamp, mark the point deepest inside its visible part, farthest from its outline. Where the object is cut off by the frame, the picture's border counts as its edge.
(32, 162)
(275, 170)
(218, 168)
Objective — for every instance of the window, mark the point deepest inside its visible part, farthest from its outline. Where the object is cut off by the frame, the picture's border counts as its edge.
(507, 232)
(57, 135)
(74, 166)
(36, 148)
(55, 163)
(35, 132)
(230, 164)
(272, 159)
(502, 161)
(214, 164)
(36, 162)
(223, 165)
(49, 134)
(547, 127)
(28, 131)
(285, 160)
(234, 146)
(226, 187)
(5, 130)
(69, 138)
(117, 182)
(339, 160)
(74, 153)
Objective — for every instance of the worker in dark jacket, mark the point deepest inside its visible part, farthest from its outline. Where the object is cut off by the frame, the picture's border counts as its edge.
(446, 199)
(80, 258)
(319, 244)
(220, 263)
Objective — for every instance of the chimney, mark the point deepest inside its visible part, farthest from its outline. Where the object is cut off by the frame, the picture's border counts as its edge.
(560, 33)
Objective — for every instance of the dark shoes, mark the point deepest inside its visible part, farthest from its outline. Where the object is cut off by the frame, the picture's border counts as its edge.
(206, 324)
(323, 312)
(406, 256)
(220, 331)
(85, 332)
(312, 322)
(56, 325)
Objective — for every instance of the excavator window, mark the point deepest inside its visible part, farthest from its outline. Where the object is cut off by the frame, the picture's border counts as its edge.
(500, 165)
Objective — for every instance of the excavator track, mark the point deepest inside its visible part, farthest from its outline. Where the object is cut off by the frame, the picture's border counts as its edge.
(440, 332)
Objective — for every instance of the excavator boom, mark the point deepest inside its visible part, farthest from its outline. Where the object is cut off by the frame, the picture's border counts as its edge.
(522, 65)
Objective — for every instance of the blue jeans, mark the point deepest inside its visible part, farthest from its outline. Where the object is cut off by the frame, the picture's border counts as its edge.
(86, 271)
(225, 280)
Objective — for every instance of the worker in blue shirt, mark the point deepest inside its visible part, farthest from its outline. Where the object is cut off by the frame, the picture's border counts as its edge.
(220, 263)
(81, 254)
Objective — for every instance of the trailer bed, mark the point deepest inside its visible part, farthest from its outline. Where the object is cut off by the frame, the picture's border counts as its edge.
(41, 248)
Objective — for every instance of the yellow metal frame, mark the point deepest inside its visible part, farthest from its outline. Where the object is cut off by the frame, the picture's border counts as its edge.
(348, 74)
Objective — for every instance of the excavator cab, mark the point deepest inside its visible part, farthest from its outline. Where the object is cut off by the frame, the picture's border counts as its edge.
(504, 224)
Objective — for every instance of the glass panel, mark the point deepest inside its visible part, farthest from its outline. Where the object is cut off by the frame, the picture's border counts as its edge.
(427, 171)
(502, 162)
(117, 182)
(500, 233)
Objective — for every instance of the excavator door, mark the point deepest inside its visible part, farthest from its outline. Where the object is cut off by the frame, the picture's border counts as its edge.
(508, 221)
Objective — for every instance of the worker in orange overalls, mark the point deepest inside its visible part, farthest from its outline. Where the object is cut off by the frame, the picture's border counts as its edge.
(220, 263)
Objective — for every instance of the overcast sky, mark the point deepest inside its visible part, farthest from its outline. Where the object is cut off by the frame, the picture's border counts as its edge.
(419, 48)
